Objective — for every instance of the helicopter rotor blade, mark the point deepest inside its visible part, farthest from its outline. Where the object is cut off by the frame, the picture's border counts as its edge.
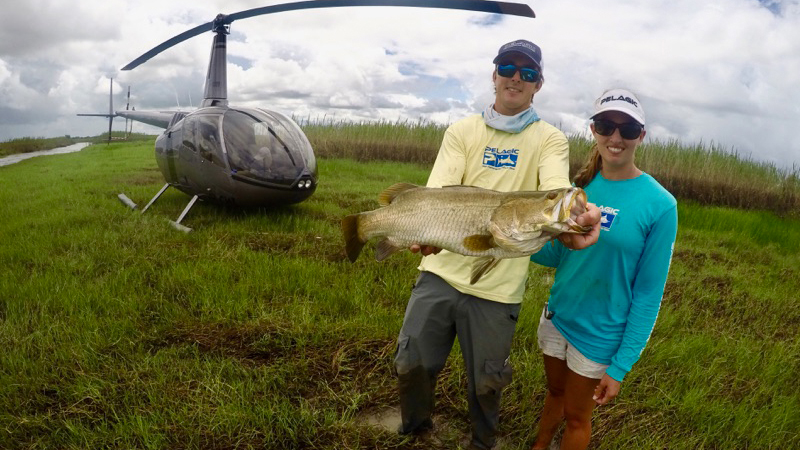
(169, 43)
(496, 7)
(515, 9)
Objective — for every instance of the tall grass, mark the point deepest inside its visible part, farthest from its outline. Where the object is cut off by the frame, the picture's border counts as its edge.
(402, 140)
(29, 144)
(254, 331)
(709, 175)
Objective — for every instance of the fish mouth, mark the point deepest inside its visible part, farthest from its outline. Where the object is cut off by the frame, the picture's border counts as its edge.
(576, 202)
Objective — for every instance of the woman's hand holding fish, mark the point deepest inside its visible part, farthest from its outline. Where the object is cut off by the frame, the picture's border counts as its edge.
(581, 241)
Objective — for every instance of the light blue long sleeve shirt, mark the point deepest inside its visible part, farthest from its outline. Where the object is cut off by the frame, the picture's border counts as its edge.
(606, 298)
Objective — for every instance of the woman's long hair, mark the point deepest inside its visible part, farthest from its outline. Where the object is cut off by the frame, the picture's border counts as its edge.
(587, 173)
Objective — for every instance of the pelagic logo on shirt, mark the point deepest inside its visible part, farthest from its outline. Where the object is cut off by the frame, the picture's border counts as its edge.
(500, 158)
(607, 216)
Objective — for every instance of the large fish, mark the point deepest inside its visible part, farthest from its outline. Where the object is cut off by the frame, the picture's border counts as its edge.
(468, 220)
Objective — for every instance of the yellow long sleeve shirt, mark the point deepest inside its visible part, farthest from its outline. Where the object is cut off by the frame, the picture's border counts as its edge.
(474, 154)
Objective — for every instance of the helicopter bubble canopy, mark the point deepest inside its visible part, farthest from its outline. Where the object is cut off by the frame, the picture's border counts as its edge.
(267, 147)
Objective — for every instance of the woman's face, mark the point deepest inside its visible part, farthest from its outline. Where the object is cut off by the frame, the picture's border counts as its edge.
(512, 95)
(617, 152)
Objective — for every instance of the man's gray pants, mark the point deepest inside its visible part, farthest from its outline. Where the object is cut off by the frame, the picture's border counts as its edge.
(435, 315)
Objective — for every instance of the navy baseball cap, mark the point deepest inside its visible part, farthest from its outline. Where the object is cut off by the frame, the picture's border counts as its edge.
(526, 48)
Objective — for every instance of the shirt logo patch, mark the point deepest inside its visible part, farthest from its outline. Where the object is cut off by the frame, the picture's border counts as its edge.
(500, 159)
(607, 216)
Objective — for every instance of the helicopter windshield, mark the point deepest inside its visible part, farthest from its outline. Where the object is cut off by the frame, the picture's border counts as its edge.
(266, 146)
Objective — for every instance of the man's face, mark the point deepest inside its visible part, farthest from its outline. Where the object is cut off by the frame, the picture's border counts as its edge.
(512, 95)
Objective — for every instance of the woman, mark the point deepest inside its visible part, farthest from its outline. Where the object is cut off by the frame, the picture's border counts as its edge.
(605, 299)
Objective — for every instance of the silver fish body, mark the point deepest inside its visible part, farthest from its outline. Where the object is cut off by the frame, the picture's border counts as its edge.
(467, 220)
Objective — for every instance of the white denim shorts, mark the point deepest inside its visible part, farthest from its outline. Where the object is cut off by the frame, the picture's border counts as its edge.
(553, 343)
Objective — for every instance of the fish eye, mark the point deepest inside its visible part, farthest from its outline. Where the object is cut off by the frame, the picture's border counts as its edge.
(552, 195)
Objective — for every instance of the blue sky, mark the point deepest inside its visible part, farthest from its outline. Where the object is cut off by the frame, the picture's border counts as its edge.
(721, 72)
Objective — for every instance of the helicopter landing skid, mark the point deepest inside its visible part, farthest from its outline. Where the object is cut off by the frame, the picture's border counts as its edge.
(126, 201)
(177, 223)
(153, 200)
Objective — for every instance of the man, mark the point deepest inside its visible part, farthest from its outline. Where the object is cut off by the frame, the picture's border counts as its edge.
(506, 148)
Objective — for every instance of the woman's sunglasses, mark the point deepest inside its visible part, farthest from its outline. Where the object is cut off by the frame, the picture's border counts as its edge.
(628, 130)
(525, 73)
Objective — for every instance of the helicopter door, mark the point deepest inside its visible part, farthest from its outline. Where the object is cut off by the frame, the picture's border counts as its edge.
(206, 139)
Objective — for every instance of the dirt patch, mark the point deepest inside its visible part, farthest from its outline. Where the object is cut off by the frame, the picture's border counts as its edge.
(446, 430)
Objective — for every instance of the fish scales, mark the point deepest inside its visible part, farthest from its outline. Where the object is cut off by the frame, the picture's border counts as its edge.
(434, 220)
(467, 220)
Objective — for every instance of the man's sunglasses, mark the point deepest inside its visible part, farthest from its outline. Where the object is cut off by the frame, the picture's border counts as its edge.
(525, 73)
(628, 130)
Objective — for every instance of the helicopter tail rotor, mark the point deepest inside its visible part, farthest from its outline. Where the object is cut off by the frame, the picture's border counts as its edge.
(110, 108)
(127, 120)
(111, 114)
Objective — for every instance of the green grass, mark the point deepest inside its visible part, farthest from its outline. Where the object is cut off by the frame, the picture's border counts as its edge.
(254, 331)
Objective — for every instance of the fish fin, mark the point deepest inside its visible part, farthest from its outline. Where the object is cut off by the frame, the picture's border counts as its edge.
(555, 229)
(384, 249)
(463, 187)
(479, 242)
(481, 267)
(389, 194)
(352, 243)
(566, 228)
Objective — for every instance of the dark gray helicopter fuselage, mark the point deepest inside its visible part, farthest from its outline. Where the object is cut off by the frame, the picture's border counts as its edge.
(237, 155)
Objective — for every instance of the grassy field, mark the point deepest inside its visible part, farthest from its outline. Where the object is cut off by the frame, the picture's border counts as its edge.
(254, 331)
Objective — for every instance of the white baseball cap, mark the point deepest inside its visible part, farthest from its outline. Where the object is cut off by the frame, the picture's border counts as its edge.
(621, 100)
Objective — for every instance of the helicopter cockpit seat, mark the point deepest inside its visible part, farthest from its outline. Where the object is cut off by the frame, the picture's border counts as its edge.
(207, 143)
(245, 155)
(282, 163)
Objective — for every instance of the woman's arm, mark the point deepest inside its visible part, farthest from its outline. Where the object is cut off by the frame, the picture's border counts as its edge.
(648, 288)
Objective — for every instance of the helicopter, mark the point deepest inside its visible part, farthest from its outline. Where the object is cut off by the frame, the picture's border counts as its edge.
(246, 156)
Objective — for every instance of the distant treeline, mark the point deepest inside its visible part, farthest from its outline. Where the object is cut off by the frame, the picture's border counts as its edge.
(709, 175)
(30, 144)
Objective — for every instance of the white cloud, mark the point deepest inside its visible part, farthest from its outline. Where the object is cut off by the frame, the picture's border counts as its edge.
(724, 71)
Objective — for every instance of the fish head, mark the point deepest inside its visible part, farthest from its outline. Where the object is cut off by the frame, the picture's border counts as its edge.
(532, 211)
(527, 220)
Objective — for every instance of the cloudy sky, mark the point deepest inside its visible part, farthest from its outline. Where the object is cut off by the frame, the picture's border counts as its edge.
(718, 72)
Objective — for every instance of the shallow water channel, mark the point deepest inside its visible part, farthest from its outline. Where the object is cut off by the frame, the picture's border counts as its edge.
(56, 151)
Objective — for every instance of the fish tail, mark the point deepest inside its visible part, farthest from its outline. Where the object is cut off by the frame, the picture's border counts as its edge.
(353, 243)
